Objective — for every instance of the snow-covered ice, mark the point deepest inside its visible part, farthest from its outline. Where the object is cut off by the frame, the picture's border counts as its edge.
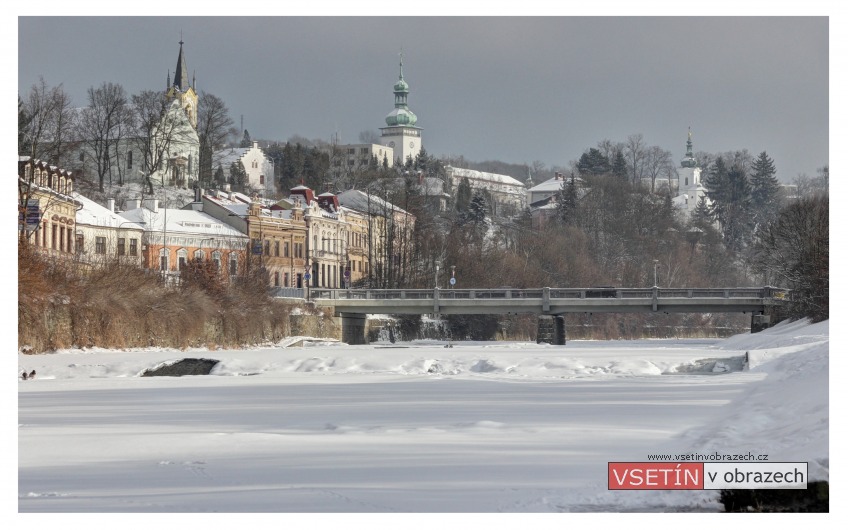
(324, 427)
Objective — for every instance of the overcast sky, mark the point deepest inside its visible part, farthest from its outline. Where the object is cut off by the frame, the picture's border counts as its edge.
(512, 89)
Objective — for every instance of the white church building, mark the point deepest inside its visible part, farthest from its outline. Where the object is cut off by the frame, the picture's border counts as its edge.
(690, 187)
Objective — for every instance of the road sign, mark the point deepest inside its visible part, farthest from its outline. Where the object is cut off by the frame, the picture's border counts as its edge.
(33, 214)
(453, 281)
(307, 276)
(347, 274)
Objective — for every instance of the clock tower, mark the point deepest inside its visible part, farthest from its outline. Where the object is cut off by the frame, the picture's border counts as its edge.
(400, 132)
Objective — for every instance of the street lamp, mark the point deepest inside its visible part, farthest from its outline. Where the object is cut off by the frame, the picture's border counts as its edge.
(656, 264)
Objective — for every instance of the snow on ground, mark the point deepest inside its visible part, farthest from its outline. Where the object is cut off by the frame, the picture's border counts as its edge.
(318, 426)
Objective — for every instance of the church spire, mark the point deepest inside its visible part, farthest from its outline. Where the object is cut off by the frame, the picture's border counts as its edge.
(401, 115)
(181, 74)
(689, 159)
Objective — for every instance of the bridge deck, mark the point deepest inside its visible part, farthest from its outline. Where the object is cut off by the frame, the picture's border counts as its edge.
(549, 301)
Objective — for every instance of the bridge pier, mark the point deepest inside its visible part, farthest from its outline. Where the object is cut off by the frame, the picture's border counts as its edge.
(551, 330)
(760, 322)
(353, 328)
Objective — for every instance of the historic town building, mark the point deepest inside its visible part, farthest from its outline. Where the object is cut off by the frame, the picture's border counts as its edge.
(46, 207)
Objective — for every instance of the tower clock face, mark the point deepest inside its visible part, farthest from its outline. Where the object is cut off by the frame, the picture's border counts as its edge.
(391, 144)
(411, 145)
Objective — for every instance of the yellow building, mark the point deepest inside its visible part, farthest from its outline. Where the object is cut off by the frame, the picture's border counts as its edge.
(46, 208)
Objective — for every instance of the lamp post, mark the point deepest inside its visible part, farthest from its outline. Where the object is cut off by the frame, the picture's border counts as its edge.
(656, 264)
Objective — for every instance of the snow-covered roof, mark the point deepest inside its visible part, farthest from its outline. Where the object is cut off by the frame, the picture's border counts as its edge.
(174, 220)
(473, 174)
(552, 184)
(94, 214)
(363, 202)
(226, 157)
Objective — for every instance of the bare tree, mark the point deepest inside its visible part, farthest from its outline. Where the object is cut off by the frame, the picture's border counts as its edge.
(45, 121)
(102, 127)
(634, 153)
(214, 128)
(369, 137)
(793, 252)
(159, 130)
(657, 162)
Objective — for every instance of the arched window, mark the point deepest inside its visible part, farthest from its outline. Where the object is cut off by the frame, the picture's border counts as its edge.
(198, 255)
(163, 259)
(182, 258)
(216, 259)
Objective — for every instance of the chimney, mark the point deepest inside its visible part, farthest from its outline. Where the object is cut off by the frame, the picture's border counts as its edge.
(110, 204)
(152, 205)
(133, 204)
(227, 187)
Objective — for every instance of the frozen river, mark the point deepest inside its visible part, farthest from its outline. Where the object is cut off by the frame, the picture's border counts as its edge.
(480, 427)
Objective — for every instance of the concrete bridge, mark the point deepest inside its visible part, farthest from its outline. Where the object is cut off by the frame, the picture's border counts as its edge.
(548, 302)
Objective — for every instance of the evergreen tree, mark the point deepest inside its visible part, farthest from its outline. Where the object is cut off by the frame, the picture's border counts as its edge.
(219, 175)
(619, 166)
(567, 202)
(463, 195)
(730, 191)
(593, 162)
(702, 216)
(238, 176)
(765, 189)
(478, 209)
(245, 141)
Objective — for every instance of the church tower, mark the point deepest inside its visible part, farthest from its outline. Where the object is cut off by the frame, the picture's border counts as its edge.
(181, 89)
(690, 188)
(401, 134)
(689, 172)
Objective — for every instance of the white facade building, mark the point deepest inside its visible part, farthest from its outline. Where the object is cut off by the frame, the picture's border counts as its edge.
(103, 236)
(509, 194)
(257, 166)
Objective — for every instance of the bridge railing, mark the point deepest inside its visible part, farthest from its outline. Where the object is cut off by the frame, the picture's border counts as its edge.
(552, 293)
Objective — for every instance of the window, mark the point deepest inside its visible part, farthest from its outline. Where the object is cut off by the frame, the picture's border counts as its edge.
(286, 249)
(233, 264)
(133, 247)
(351, 151)
(129, 159)
(122, 246)
(62, 238)
(54, 231)
(198, 255)
(276, 248)
(182, 258)
(267, 247)
(182, 262)
(286, 280)
(100, 245)
(82, 156)
(262, 179)
(80, 244)
(276, 279)
(216, 259)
